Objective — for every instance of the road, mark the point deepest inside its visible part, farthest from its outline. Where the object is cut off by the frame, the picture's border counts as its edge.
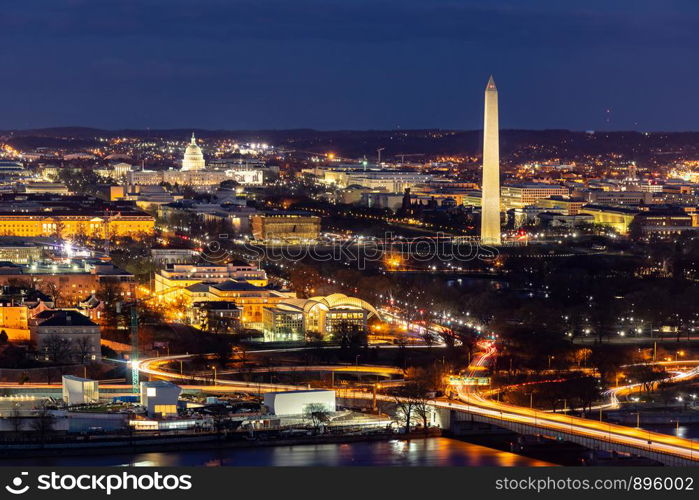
(474, 403)
(153, 366)
(624, 390)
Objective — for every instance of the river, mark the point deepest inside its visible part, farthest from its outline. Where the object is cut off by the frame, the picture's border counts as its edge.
(415, 452)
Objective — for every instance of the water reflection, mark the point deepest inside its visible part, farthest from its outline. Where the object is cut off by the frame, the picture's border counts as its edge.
(685, 431)
(416, 452)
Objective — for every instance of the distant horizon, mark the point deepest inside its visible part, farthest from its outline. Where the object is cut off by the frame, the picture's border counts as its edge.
(196, 130)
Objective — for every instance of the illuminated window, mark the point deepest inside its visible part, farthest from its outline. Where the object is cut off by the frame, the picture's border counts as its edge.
(166, 409)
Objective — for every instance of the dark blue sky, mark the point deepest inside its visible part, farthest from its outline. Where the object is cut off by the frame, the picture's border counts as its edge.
(349, 64)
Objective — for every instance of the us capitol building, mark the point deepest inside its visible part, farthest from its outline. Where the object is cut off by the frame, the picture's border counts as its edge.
(194, 173)
(193, 157)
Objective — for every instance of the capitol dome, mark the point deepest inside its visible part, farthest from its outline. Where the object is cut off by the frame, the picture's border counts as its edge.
(193, 157)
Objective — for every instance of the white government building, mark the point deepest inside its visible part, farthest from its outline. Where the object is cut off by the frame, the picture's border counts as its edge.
(195, 173)
(193, 157)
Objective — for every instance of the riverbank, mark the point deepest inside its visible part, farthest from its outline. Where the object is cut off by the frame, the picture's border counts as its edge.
(192, 442)
(395, 452)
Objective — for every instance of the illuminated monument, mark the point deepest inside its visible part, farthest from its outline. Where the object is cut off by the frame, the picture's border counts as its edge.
(490, 197)
(193, 157)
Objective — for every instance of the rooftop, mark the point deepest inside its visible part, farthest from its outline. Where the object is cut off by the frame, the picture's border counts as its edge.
(64, 318)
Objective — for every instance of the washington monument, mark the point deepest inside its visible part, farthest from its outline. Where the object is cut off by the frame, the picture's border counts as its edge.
(490, 194)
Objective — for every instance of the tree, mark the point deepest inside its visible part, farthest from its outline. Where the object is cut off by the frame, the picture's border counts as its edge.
(582, 392)
(423, 411)
(608, 359)
(646, 375)
(317, 414)
(109, 293)
(43, 423)
(54, 291)
(352, 338)
(83, 349)
(222, 347)
(16, 421)
(57, 349)
(305, 280)
(59, 229)
(411, 400)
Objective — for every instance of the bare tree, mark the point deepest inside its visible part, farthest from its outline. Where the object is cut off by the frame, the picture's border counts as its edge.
(83, 349)
(43, 423)
(411, 400)
(317, 414)
(16, 421)
(646, 375)
(54, 291)
(57, 349)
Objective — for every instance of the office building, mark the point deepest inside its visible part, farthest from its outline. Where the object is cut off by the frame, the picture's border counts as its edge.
(175, 277)
(285, 227)
(159, 398)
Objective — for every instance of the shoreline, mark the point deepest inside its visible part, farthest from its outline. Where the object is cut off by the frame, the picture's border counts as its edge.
(207, 442)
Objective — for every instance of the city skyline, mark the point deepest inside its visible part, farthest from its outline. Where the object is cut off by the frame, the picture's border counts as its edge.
(267, 234)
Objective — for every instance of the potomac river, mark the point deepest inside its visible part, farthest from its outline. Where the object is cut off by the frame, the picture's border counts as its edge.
(437, 451)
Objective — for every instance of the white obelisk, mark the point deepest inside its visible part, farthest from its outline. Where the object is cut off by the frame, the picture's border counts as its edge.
(490, 194)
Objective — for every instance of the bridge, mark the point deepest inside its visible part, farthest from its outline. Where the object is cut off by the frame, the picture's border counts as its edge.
(662, 448)
(592, 434)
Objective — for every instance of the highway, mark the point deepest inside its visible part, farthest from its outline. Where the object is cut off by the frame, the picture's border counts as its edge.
(473, 403)
(624, 390)
(476, 404)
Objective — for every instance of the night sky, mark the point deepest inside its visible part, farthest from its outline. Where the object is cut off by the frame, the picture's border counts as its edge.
(349, 64)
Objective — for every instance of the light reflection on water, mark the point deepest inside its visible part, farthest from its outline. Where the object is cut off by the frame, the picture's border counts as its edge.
(416, 452)
(685, 431)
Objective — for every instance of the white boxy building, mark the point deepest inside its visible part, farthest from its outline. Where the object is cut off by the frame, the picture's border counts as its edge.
(78, 391)
(160, 398)
(295, 402)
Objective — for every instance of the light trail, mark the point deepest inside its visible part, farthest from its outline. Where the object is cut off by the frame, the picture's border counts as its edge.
(603, 431)
(476, 404)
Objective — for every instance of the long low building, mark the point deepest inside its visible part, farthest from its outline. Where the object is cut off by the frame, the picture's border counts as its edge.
(618, 218)
(250, 299)
(175, 277)
(68, 225)
(68, 283)
(285, 227)
(70, 216)
(521, 195)
(297, 402)
(181, 177)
